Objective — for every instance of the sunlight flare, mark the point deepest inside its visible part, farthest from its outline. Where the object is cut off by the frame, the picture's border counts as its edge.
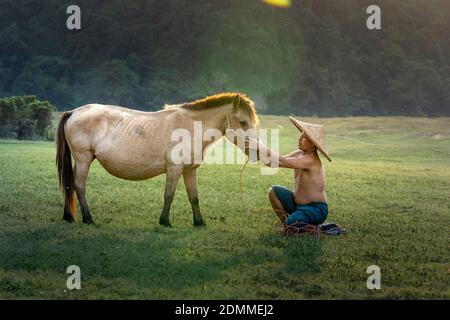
(278, 3)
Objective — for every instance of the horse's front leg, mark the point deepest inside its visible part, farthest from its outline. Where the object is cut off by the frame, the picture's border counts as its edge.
(190, 181)
(172, 176)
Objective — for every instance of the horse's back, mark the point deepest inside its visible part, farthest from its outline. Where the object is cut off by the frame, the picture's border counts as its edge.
(122, 139)
(94, 121)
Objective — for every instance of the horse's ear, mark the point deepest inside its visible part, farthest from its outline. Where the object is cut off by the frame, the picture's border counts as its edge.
(236, 101)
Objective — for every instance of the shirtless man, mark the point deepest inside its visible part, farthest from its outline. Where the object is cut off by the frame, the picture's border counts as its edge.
(308, 202)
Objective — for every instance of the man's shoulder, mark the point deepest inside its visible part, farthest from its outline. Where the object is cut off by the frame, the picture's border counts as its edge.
(314, 160)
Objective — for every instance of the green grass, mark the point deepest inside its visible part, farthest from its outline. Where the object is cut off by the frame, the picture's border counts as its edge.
(389, 184)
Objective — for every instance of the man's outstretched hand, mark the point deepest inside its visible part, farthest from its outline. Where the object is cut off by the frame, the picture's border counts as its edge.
(251, 143)
(263, 153)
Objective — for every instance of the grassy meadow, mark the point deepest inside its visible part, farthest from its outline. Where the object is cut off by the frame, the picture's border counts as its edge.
(388, 184)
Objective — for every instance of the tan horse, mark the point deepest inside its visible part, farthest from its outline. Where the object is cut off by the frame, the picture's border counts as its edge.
(136, 145)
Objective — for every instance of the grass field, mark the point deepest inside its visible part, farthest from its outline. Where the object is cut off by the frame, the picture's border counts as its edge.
(389, 184)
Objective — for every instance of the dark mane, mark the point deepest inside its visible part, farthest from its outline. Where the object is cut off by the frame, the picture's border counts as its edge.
(220, 99)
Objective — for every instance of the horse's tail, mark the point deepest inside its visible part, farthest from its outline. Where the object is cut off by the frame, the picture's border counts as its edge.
(65, 170)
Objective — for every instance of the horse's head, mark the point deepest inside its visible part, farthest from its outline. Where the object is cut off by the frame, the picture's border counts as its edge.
(242, 122)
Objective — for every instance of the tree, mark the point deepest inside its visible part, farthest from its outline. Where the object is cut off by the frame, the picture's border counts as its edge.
(25, 117)
(315, 58)
(112, 82)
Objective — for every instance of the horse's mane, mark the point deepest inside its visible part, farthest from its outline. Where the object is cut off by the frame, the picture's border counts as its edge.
(218, 100)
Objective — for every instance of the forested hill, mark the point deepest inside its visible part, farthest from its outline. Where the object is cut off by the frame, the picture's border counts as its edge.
(315, 58)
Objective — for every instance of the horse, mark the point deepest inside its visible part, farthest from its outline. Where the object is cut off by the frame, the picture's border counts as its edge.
(137, 145)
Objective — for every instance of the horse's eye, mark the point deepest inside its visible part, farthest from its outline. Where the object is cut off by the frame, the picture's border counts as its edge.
(243, 123)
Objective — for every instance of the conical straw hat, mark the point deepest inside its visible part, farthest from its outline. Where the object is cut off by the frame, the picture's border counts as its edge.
(315, 133)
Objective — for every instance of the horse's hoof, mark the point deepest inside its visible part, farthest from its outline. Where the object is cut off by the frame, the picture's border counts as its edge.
(88, 221)
(199, 223)
(68, 218)
(165, 223)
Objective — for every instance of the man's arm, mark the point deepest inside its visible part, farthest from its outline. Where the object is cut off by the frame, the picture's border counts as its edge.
(294, 153)
(295, 162)
(272, 159)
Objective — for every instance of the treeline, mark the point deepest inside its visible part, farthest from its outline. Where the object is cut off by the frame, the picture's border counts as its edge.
(316, 58)
(26, 118)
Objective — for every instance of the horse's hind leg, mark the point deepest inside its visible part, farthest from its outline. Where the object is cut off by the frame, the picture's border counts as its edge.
(82, 165)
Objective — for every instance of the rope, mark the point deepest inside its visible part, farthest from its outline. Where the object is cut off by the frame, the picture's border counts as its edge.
(296, 229)
(301, 228)
(240, 182)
